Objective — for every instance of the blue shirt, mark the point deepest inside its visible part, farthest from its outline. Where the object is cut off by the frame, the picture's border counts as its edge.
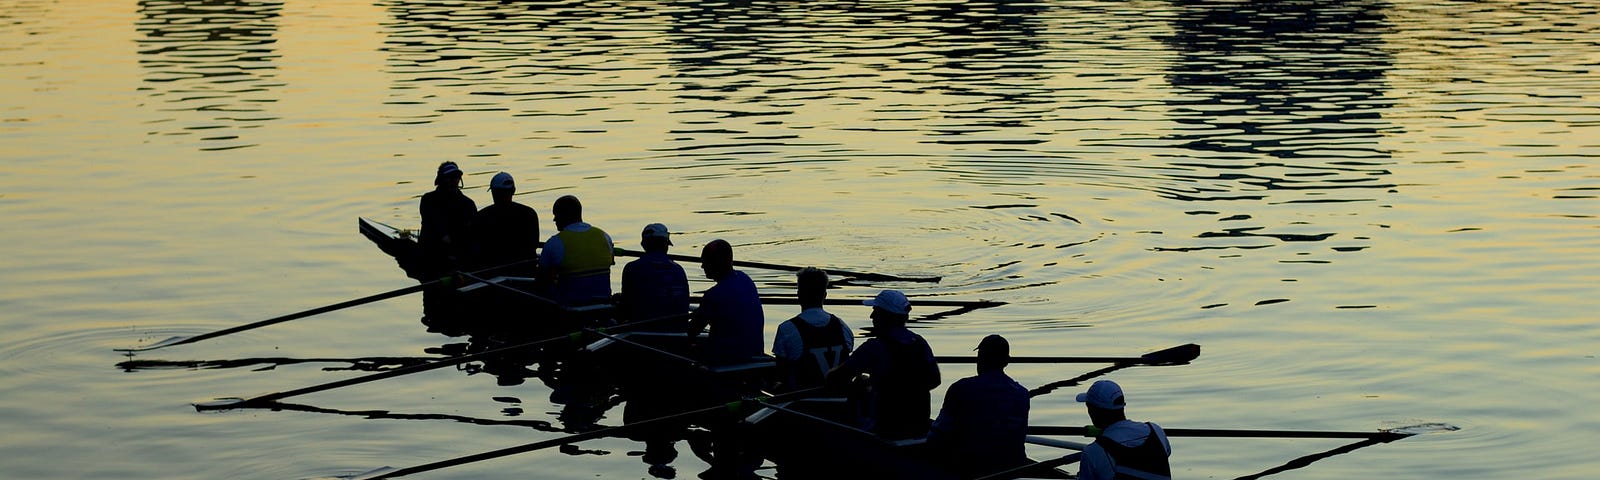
(982, 423)
(654, 286)
(732, 308)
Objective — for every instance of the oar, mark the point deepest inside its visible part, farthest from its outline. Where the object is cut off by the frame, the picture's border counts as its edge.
(1051, 442)
(1027, 469)
(1307, 460)
(362, 363)
(443, 281)
(917, 302)
(1380, 435)
(1178, 355)
(631, 343)
(791, 268)
(231, 403)
(543, 444)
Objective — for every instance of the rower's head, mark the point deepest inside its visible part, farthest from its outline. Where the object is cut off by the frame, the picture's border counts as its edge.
(448, 175)
(717, 259)
(994, 352)
(812, 287)
(889, 309)
(567, 211)
(1105, 403)
(502, 187)
(655, 238)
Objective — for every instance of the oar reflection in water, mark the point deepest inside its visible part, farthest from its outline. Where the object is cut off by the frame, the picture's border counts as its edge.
(387, 472)
(539, 425)
(365, 364)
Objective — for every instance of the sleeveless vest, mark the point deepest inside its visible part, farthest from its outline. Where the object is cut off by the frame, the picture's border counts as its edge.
(1148, 461)
(586, 253)
(824, 349)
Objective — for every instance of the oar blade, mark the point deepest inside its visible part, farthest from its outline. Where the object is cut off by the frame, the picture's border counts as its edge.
(219, 404)
(374, 473)
(161, 344)
(1179, 355)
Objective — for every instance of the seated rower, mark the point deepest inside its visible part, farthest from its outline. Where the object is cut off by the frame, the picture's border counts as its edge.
(507, 232)
(812, 343)
(1124, 449)
(576, 261)
(901, 369)
(732, 308)
(654, 286)
(981, 428)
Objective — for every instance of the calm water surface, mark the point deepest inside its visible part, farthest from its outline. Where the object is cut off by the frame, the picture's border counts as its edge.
(1371, 214)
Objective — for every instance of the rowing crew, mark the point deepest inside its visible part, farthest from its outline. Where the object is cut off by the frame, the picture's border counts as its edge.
(980, 428)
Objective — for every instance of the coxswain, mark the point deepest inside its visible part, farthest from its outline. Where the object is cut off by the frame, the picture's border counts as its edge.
(900, 369)
(813, 342)
(1124, 449)
(981, 428)
(576, 261)
(447, 216)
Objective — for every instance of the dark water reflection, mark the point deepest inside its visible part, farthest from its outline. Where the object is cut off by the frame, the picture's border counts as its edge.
(212, 60)
(1283, 96)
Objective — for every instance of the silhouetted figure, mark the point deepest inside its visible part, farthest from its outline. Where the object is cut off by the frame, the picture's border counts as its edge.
(446, 236)
(812, 343)
(901, 369)
(443, 243)
(980, 429)
(577, 260)
(653, 285)
(506, 231)
(732, 308)
(1124, 449)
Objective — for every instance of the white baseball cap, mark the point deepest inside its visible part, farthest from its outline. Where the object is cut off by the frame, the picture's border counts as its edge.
(891, 301)
(1105, 395)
